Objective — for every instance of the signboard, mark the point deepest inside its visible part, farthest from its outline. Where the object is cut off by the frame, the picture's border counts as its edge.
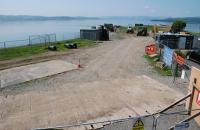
(198, 98)
(182, 126)
(138, 125)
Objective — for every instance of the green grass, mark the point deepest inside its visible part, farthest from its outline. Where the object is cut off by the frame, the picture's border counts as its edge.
(163, 72)
(122, 29)
(150, 27)
(195, 33)
(26, 51)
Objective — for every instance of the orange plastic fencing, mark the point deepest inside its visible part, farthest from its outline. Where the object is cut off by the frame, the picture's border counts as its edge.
(151, 49)
(180, 60)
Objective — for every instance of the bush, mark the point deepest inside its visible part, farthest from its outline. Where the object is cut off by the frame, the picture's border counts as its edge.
(178, 26)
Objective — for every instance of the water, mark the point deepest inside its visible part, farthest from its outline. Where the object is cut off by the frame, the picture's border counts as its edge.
(11, 31)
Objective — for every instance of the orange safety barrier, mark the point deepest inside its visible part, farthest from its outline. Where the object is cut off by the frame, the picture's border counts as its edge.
(180, 60)
(151, 49)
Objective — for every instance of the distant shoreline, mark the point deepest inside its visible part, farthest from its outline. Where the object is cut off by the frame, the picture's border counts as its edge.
(8, 18)
(189, 20)
(21, 18)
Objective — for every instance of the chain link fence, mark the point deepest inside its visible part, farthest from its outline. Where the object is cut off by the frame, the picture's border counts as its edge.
(45, 39)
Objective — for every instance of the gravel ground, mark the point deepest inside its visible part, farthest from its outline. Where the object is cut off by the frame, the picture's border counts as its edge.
(109, 66)
(129, 64)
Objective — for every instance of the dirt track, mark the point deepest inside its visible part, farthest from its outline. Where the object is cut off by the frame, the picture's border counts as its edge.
(115, 81)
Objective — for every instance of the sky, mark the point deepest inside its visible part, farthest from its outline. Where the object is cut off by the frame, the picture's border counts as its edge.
(99, 8)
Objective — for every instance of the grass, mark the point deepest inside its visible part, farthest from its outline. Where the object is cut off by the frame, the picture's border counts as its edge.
(150, 27)
(195, 33)
(26, 51)
(122, 29)
(163, 72)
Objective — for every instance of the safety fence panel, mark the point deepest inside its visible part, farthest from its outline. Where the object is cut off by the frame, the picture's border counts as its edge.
(168, 55)
(16, 43)
(42, 39)
(45, 39)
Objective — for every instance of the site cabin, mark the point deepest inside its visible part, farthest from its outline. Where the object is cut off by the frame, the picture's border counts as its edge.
(174, 41)
(100, 34)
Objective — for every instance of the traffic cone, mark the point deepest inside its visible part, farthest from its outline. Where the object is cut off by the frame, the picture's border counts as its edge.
(79, 64)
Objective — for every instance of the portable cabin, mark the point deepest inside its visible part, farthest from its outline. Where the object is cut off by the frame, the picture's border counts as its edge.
(174, 41)
(100, 34)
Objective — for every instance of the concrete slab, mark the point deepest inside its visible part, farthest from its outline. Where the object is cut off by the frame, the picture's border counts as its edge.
(26, 73)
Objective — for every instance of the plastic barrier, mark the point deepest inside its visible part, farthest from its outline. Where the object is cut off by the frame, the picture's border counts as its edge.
(180, 60)
(151, 49)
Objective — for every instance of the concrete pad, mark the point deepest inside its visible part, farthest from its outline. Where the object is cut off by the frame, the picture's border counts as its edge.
(94, 101)
(26, 73)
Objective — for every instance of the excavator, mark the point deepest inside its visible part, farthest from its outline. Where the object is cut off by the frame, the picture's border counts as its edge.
(143, 31)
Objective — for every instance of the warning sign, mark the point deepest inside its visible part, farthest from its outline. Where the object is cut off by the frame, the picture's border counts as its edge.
(138, 125)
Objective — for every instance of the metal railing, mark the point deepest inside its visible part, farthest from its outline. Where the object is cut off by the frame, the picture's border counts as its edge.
(152, 121)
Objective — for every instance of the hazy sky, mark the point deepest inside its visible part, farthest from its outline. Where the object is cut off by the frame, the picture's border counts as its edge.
(174, 8)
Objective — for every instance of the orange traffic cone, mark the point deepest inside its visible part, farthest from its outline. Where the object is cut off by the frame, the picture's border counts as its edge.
(79, 64)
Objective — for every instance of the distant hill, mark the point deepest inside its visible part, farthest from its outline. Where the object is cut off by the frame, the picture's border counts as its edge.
(194, 20)
(40, 18)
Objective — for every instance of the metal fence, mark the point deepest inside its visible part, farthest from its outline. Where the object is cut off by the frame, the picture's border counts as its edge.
(149, 122)
(39, 39)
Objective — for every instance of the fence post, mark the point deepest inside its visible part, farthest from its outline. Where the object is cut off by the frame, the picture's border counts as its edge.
(175, 71)
(45, 40)
(49, 38)
(4, 44)
(40, 40)
(29, 40)
(63, 36)
(55, 38)
(191, 101)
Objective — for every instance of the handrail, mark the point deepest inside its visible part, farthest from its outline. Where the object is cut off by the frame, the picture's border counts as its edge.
(174, 104)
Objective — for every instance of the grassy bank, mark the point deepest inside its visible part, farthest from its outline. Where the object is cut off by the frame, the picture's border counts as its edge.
(164, 72)
(26, 51)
